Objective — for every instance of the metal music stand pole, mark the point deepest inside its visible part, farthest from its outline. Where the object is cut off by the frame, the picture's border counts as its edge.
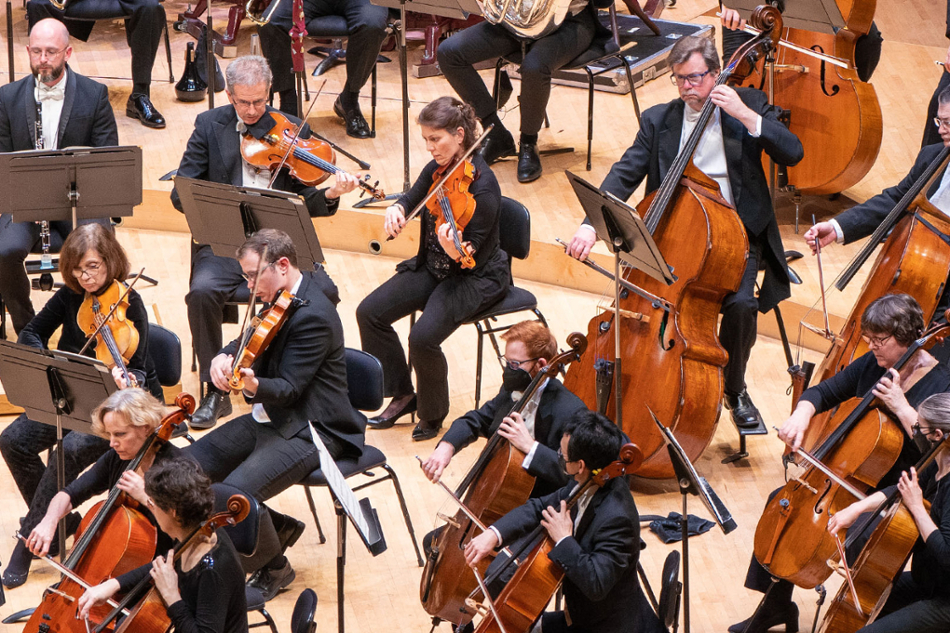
(209, 59)
(404, 76)
(10, 44)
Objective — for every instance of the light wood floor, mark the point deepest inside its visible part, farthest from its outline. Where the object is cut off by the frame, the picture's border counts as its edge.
(382, 591)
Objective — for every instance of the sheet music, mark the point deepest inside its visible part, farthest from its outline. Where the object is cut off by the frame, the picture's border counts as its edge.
(341, 490)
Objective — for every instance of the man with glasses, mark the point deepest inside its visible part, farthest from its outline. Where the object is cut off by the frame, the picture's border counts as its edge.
(75, 111)
(213, 153)
(730, 152)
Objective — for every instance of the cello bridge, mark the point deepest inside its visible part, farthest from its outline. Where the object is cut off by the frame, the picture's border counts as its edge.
(801, 481)
(477, 608)
(794, 68)
(450, 520)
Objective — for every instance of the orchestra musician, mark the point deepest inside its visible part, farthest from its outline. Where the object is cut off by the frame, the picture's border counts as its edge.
(919, 601)
(932, 134)
(75, 112)
(90, 261)
(144, 20)
(460, 52)
(213, 153)
(366, 25)
(889, 326)
(730, 152)
(596, 542)
(204, 590)
(299, 380)
(434, 280)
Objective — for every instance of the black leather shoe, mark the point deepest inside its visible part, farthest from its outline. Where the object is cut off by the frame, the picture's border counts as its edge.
(213, 406)
(744, 413)
(498, 145)
(141, 108)
(356, 125)
(290, 532)
(18, 567)
(529, 163)
(426, 430)
(270, 581)
(766, 619)
(388, 418)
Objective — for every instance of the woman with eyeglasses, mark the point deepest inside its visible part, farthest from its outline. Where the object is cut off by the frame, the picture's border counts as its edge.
(90, 260)
(889, 325)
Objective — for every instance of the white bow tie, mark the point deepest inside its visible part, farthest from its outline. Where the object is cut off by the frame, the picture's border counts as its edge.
(56, 93)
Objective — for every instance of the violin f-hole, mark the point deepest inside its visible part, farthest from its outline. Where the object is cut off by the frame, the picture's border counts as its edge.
(824, 88)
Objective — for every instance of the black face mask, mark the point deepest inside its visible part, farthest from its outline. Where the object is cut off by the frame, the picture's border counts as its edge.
(515, 379)
(923, 442)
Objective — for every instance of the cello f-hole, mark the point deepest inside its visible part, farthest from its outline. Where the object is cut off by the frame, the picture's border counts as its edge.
(824, 493)
(824, 88)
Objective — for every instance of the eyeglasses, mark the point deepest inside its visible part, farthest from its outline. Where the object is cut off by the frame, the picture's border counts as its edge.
(516, 364)
(561, 456)
(694, 79)
(941, 122)
(876, 341)
(252, 276)
(257, 103)
(917, 429)
(90, 271)
(50, 53)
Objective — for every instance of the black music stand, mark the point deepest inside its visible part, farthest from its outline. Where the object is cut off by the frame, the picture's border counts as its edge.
(56, 388)
(691, 483)
(622, 229)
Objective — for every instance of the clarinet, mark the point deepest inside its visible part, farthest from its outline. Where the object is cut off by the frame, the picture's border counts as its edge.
(46, 261)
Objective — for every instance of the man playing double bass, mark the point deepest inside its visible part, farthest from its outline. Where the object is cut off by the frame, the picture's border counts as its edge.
(730, 152)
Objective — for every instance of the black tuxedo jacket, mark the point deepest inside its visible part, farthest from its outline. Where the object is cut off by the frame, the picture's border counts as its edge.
(86, 119)
(302, 373)
(861, 220)
(658, 142)
(213, 153)
(556, 407)
(601, 588)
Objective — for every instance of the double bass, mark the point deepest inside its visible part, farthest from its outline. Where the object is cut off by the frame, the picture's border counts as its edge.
(672, 358)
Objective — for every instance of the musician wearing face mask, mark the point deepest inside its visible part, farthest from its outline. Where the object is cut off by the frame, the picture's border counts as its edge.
(75, 111)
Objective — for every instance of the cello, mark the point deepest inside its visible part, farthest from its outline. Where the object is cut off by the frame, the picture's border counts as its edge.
(673, 361)
(113, 538)
(496, 484)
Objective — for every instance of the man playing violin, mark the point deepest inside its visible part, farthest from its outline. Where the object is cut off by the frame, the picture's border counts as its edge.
(596, 542)
(298, 380)
(213, 153)
(743, 126)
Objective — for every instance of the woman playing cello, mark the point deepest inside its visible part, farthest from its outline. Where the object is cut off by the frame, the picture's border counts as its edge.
(91, 261)
(204, 590)
(447, 292)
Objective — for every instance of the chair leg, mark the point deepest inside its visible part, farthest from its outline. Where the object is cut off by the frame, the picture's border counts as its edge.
(405, 512)
(590, 113)
(372, 126)
(313, 512)
(168, 53)
(340, 564)
(496, 90)
(268, 621)
(633, 89)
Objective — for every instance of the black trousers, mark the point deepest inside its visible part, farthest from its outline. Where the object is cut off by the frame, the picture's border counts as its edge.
(458, 54)
(143, 27)
(911, 609)
(17, 241)
(21, 444)
(739, 324)
(931, 133)
(365, 22)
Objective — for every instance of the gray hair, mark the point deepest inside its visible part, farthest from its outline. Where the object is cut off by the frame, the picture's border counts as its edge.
(686, 46)
(935, 411)
(250, 70)
(944, 97)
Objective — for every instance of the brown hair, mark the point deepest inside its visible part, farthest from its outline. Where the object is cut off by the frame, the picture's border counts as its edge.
(98, 238)
(686, 46)
(450, 114)
(277, 242)
(535, 336)
(138, 407)
(897, 315)
(179, 484)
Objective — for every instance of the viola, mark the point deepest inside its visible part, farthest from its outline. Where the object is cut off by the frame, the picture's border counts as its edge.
(104, 316)
(113, 538)
(255, 341)
(311, 161)
(454, 204)
(496, 484)
(672, 361)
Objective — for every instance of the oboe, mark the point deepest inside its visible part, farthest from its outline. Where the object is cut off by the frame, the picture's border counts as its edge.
(46, 261)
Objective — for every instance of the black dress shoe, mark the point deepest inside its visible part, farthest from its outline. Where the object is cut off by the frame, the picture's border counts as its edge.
(765, 619)
(426, 430)
(141, 108)
(500, 143)
(213, 406)
(356, 125)
(529, 163)
(744, 413)
(289, 533)
(383, 421)
(270, 581)
(18, 567)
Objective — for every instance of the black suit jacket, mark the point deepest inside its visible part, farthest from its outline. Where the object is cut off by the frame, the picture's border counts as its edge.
(302, 373)
(601, 588)
(213, 153)
(861, 220)
(556, 407)
(86, 119)
(658, 142)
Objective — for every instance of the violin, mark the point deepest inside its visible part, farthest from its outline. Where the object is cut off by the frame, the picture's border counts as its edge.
(454, 204)
(311, 161)
(103, 318)
(255, 341)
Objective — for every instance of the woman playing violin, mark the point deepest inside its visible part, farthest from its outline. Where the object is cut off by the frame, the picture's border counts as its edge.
(434, 281)
(90, 262)
(204, 590)
(890, 325)
(920, 598)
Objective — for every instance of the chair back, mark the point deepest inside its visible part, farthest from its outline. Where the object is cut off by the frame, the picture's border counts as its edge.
(304, 611)
(244, 534)
(515, 228)
(364, 379)
(164, 350)
(670, 589)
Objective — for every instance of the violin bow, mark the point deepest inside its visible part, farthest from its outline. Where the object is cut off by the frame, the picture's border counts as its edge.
(105, 320)
(826, 333)
(831, 59)
(293, 141)
(843, 566)
(491, 601)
